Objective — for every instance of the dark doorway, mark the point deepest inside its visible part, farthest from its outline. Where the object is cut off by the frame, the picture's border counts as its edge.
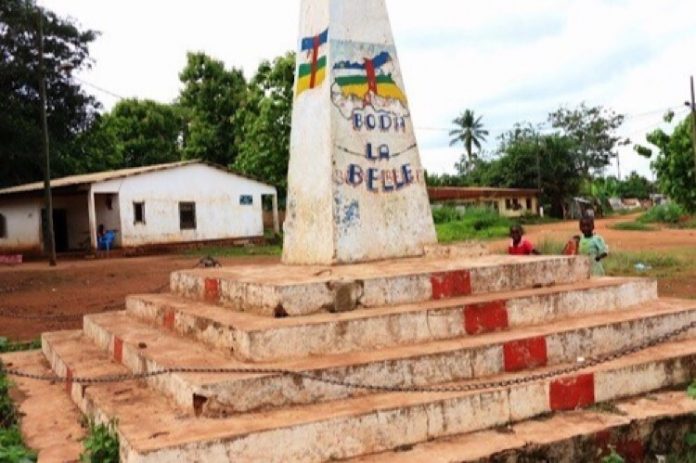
(60, 229)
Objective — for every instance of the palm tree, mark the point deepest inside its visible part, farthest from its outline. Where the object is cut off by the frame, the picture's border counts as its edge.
(470, 132)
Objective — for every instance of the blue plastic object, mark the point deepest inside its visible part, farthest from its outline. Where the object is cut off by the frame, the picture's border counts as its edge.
(106, 241)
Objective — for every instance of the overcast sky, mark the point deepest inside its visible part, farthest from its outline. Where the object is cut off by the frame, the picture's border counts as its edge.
(508, 60)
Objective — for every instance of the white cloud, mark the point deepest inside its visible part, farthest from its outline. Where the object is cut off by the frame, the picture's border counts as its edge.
(509, 61)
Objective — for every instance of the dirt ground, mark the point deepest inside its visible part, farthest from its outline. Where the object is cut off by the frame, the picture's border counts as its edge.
(80, 286)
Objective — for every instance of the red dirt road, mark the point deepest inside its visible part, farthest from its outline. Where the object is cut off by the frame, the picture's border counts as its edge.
(77, 287)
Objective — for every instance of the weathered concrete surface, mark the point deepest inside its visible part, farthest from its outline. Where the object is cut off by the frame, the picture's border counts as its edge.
(420, 364)
(256, 338)
(50, 422)
(302, 290)
(153, 431)
(639, 429)
(356, 186)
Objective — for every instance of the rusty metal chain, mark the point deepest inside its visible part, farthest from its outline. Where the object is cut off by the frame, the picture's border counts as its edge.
(471, 387)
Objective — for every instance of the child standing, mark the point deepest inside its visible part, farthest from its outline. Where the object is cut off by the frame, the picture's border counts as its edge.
(593, 245)
(520, 246)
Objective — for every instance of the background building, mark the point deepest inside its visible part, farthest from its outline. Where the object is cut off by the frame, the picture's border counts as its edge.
(181, 202)
(509, 202)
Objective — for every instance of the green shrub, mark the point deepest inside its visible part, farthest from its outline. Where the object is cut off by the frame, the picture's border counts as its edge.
(446, 214)
(101, 444)
(667, 213)
(633, 226)
(12, 449)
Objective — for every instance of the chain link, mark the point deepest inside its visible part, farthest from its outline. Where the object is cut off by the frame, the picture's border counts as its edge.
(471, 387)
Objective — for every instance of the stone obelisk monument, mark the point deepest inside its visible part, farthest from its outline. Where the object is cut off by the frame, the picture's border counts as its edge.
(356, 186)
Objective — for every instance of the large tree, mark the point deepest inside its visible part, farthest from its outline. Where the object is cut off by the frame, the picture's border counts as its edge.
(470, 132)
(593, 129)
(674, 163)
(211, 100)
(264, 148)
(136, 133)
(69, 109)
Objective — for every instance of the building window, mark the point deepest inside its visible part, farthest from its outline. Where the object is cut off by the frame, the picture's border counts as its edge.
(187, 216)
(246, 200)
(3, 227)
(508, 204)
(138, 212)
(529, 204)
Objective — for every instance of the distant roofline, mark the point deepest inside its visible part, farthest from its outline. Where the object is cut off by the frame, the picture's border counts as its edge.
(98, 177)
(453, 193)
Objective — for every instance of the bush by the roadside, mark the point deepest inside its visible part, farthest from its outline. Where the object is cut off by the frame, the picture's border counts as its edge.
(12, 449)
(446, 214)
(666, 213)
(549, 247)
(475, 223)
(633, 226)
(11, 346)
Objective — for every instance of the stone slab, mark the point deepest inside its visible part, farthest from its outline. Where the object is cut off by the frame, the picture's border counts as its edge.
(153, 431)
(281, 290)
(567, 437)
(520, 349)
(250, 337)
(50, 422)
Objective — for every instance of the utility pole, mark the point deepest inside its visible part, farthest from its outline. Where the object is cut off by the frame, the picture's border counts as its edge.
(50, 241)
(538, 166)
(693, 121)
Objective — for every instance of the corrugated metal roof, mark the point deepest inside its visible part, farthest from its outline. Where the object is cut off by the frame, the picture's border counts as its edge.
(87, 179)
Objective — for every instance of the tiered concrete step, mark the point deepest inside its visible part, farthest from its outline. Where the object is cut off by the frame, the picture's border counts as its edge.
(257, 338)
(639, 429)
(283, 290)
(153, 430)
(144, 348)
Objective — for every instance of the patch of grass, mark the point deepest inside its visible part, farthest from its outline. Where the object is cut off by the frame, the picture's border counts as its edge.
(11, 346)
(622, 212)
(633, 226)
(649, 264)
(101, 444)
(537, 220)
(474, 224)
(550, 247)
(12, 448)
(237, 251)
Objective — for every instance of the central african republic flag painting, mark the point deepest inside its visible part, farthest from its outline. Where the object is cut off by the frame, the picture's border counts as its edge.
(312, 71)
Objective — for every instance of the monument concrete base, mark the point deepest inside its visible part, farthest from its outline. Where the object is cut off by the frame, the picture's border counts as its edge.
(411, 323)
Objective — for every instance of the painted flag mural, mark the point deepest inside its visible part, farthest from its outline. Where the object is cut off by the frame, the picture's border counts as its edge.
(312, 71)
(370, 77)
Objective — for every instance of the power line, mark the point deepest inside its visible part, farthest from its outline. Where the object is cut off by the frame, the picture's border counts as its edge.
(101, 89)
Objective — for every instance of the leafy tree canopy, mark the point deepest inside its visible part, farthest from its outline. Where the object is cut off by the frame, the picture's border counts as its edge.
(674, 163)
(264, 149)
(211, 101)
(70, 110)
(593, 130)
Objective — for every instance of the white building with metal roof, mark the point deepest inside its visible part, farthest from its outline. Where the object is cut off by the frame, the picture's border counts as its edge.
(181, 202)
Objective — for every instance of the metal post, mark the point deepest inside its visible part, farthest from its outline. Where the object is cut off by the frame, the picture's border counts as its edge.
(47, 166)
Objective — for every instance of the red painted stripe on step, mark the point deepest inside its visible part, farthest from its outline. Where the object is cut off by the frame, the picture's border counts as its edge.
(451, 284)
(169, 319)
(525, 354)
(486, 317)
(68, 380)
(118, 349)
(571, 393)
(212, 290)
